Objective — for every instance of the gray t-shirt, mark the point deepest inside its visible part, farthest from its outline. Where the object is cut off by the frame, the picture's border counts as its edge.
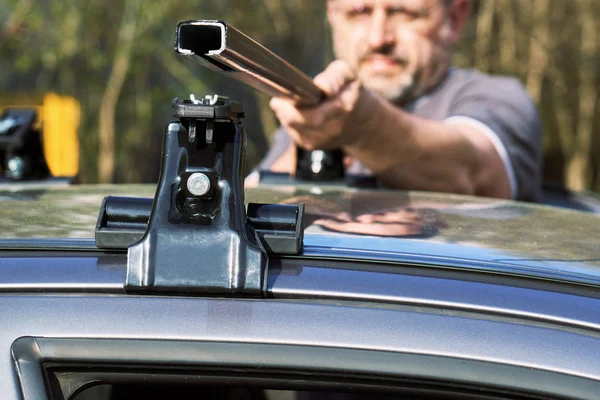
(498, 107)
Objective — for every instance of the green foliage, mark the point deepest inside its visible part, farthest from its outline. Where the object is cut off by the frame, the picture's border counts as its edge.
(69, 47)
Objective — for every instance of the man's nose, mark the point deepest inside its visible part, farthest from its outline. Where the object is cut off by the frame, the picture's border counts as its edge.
(380, 32)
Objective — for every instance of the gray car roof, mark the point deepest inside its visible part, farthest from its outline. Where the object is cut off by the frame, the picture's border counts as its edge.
(426, 228)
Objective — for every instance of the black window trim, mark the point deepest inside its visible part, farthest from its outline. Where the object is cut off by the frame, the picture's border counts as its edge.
(34, 356)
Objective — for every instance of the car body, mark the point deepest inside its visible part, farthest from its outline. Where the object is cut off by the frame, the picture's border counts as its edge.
(461, 297)
(393, 294)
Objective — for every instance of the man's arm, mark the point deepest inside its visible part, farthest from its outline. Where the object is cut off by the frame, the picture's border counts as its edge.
(404, 151)
(409, 152)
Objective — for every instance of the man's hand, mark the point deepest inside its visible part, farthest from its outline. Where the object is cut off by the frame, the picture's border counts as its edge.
(402, 150)
(325, 126)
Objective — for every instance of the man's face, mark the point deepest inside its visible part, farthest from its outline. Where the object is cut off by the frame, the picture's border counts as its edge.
(397, 222)
(399, 48)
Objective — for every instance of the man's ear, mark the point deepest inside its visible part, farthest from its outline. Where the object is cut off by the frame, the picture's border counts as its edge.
(459, 14)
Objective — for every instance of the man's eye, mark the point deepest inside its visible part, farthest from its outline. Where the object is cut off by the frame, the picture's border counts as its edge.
(359, 11)
(404, 13)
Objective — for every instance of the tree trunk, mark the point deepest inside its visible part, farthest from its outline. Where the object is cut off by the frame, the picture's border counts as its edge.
(508, 36)
(485, 22)
(562, 113)
(538, 57)
(578, 168)
(106, 159)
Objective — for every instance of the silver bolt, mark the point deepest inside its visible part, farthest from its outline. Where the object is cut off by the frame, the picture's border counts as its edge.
(198, 184)
(317, 157)
(16, 167)
(7, 124)
(194, 100)
(214, 100)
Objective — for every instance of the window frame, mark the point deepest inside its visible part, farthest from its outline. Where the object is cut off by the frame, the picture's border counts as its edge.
(36, 358)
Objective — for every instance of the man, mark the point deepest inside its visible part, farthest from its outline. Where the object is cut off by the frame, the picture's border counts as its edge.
(400, 112)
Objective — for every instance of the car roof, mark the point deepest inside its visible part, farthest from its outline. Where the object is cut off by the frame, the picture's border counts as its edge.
(428, 228)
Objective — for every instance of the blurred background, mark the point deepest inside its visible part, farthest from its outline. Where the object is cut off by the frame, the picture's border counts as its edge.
(116, 59)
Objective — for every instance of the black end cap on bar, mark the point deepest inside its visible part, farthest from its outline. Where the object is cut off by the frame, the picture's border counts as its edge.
(278, 226)
(211, 32)
(122, 222)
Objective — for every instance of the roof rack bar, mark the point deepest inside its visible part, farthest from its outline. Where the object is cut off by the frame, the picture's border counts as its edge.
(220, 47)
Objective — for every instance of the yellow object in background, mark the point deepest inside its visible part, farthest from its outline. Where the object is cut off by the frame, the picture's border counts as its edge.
(60, 118)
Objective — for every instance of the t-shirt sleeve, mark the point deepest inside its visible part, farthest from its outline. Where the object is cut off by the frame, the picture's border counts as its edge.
(281, 141)
(502, 110)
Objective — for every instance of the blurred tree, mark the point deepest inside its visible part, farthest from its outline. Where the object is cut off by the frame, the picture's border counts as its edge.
(578, 167)
(553, 47)
(120, 66)
(116, 58)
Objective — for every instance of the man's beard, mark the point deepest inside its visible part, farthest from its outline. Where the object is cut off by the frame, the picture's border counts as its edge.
(407, 85)
(399, 90)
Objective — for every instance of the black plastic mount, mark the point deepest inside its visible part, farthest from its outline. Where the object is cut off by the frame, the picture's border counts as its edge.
(197, 237)
(21, 150)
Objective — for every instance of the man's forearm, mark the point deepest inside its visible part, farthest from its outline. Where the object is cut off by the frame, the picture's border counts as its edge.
(408, 152)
